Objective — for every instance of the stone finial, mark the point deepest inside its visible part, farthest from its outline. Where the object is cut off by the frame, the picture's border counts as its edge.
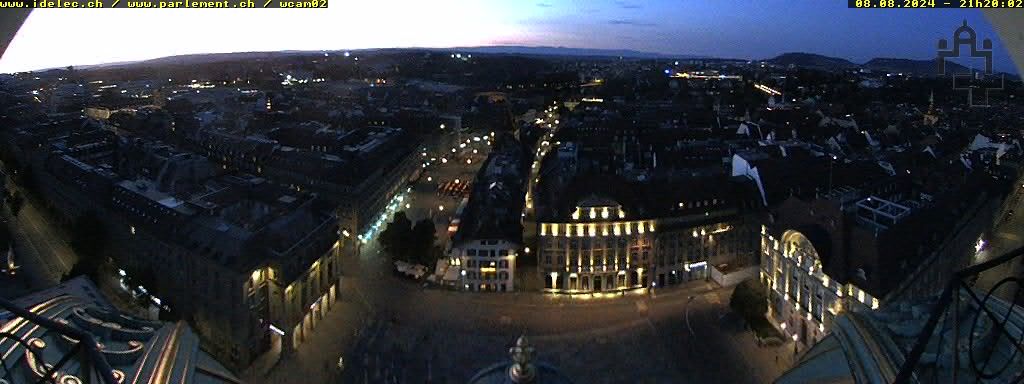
(522, 369)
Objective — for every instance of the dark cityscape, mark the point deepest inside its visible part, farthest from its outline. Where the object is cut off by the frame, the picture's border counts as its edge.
(520, 212)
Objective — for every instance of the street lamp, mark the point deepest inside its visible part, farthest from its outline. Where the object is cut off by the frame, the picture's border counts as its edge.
(795, 344)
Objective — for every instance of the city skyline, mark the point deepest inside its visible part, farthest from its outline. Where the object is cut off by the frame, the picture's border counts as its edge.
(797, 195)
(709, 29)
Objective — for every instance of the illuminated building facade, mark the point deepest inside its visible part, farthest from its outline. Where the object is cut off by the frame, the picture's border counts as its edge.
(602, 247)
(803, 299)
(486, 265)
(598, 250)
(856, 250)
(256, 266)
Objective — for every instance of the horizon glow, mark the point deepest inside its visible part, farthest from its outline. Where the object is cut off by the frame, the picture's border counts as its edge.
(747, 30)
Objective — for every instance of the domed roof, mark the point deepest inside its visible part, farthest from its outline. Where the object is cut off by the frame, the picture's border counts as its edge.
(521, 370)
(820, 239)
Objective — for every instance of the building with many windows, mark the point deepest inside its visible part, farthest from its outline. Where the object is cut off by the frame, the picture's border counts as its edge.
(853, 249)
(611, 235)
(255, 263)
(489, 236)
(598, 250)
(487, 264)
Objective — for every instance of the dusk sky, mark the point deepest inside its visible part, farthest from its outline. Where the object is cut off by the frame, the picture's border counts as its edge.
(736, 29)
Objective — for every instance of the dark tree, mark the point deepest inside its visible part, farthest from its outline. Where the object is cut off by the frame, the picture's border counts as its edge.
(422, 242)
(395, 238)
(749, 300)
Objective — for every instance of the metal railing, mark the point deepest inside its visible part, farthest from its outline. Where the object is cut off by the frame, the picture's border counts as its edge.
(86, 349)
(961, 303)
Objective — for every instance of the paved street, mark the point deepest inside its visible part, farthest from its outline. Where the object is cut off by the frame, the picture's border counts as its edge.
(40, 249)
(386, 326)
(410, 330)
(445, 166)
(1006, 236)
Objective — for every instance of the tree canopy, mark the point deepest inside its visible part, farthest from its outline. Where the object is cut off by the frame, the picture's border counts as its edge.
(411, 243)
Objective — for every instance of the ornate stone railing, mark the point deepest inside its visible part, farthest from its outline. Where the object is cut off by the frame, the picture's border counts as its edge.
(85, 352)
(973, 333)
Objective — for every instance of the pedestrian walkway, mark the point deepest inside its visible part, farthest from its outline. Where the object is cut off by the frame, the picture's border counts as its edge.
(316, 357)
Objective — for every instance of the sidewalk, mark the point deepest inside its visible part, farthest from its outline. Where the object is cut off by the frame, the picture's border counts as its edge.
(335, 335)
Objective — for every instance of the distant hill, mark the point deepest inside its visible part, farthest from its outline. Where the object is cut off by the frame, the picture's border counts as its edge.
(799, 59)
(811, 60)
(206, 58)
(881, 64)
(201, 58)
(565, 51)
(917, 67)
